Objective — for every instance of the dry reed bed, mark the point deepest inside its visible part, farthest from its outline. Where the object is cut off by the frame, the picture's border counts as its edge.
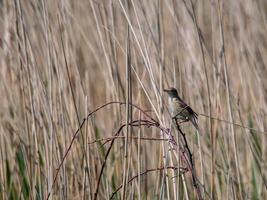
(62, 59)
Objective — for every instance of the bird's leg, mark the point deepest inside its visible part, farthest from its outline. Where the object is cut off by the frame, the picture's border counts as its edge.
(183, 121)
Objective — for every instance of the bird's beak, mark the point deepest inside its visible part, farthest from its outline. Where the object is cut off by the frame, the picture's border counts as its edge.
(165, 90)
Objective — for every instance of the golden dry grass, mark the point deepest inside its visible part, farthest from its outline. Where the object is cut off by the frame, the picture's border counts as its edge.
(62, 59)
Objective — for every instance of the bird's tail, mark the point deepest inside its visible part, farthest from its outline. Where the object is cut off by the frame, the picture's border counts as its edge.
(194, 121)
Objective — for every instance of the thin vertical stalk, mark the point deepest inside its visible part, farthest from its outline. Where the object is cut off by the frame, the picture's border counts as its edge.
(185, 187)
(225, 66)
(128, 116)
(209, 98)
(160, 30)
(139, 159)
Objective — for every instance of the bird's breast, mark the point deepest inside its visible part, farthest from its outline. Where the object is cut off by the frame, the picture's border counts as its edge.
(173, 106)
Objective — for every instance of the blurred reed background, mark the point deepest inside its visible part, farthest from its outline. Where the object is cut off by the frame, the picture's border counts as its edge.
(62, 59)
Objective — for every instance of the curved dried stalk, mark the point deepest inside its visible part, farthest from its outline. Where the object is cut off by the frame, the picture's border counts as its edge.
(144, 173)
(185, 152)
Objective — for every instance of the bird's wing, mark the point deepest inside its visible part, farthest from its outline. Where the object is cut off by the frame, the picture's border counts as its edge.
(190, 110)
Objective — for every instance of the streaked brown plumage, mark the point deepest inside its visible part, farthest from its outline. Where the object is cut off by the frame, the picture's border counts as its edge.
(179, 109)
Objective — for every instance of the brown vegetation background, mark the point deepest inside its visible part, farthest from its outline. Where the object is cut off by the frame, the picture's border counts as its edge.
(59, 60)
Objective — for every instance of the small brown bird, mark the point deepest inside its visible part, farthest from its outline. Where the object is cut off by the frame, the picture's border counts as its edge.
(179, 109)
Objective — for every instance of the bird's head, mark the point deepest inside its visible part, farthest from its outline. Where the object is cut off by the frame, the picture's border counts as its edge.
(172, 92)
